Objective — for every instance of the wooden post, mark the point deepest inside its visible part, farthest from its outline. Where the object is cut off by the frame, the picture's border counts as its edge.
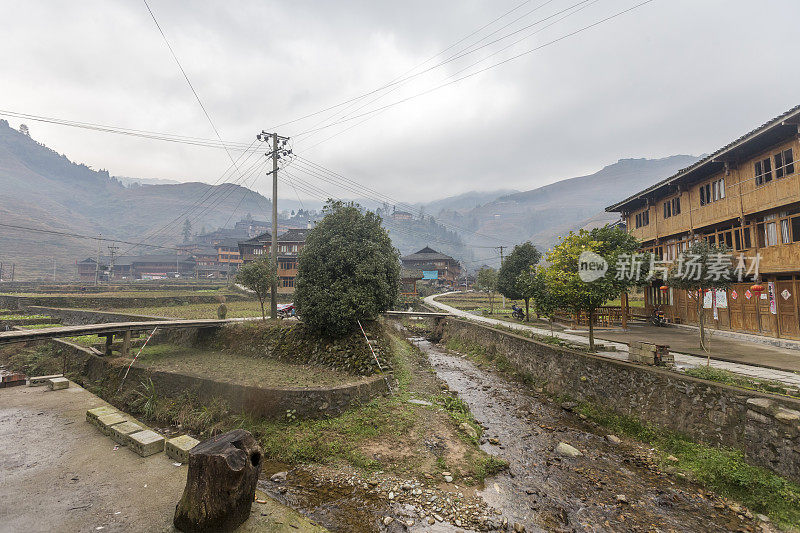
(126, 343)
(624, 308)
(109, 340)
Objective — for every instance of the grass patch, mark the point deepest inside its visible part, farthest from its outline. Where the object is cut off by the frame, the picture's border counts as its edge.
(720, 469)
(736, 380)
(236, 309)
(40, 326)
(22, 317)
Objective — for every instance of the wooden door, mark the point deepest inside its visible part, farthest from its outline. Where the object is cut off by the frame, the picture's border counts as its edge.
(787, 309)
(736, 307)
(750, 310)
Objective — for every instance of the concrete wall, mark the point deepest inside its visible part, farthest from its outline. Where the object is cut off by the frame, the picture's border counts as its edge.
(765, 427)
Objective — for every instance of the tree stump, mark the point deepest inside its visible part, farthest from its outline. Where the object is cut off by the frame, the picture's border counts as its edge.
(220, 484)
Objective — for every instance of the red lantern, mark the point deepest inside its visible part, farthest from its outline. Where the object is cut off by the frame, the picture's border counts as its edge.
(758, 289)
(663, 288)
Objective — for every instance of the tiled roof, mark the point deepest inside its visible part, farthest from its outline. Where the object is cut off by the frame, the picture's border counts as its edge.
(767, 126)
(294, 235)
(427, 254)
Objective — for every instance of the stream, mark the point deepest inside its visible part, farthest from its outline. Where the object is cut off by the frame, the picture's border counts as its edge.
(611, 487)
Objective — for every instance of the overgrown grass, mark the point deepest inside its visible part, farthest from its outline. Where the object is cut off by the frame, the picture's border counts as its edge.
(721, 469)
(23, 317)
(737, 380)
(40, 326)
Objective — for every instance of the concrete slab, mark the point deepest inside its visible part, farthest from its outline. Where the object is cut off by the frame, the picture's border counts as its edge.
(178, 448)
(57, 383)
(120, 432)
(88, 485)
(146, 442)
(105, 422)
(93, 414)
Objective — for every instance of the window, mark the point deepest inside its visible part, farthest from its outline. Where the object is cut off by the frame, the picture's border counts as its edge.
(667, 209)
(784, 163)
(763, 171)
(718, 188)
(676, 205)
(711, 192)
(642, 219)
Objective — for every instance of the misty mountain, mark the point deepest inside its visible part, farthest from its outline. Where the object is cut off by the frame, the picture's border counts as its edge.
(125, 180)
(541, 215)
(44, 189)
(465, 201)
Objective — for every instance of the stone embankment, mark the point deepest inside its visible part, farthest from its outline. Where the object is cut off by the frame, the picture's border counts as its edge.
(765, 427)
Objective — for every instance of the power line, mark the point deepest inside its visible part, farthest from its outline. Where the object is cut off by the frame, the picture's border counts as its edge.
(495, 65)
(525, 37)
(80, 236)
(104, 128)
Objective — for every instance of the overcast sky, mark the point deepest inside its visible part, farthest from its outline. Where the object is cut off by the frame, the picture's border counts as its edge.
(672, 76)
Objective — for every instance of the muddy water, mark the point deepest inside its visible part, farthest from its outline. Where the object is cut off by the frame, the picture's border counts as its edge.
(546, 492)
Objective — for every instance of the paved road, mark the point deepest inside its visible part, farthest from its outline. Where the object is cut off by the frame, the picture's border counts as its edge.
(682, 360)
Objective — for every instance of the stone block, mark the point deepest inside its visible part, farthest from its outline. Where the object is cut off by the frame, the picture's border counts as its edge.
(36, 381)
(178, 448)
(93, 414)
(146, 442)
(105, 422)
(788, 416)
(120, 432)
(57, 383)
(762, 404)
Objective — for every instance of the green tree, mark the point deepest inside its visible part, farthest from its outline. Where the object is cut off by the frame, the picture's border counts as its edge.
(613, 246)
(187, 230)
(486, 281)
(533, 285)
(257, 276)
(521, 259)
(348, 270)
(701, 268)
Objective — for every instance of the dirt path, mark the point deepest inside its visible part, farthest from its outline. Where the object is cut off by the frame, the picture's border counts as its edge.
(609, 488)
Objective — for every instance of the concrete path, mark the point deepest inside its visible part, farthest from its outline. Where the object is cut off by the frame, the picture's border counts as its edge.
(59, 473)
(682, 360)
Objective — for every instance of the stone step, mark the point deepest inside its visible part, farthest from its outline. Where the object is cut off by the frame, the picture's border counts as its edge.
(57, 383)
(146, 442)
(178, 448)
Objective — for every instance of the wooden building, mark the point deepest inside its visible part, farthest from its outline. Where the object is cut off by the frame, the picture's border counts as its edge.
(155, 266)
(290, 244)
(745, 195)
(437, 267)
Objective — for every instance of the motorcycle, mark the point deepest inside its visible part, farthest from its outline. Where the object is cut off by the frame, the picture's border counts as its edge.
(658, 319)
(518, 313)
(286, 311)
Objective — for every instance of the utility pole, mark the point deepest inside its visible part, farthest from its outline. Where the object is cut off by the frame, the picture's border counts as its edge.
(1, 271)
(54, 269)
(501, 266)
(112, 251)
(12, 270)
(97, 265)
(276, 152)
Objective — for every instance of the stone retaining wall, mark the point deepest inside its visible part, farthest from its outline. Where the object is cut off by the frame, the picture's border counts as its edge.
(269, 403)
(765, 427)
(8, 301)
(79, 317)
